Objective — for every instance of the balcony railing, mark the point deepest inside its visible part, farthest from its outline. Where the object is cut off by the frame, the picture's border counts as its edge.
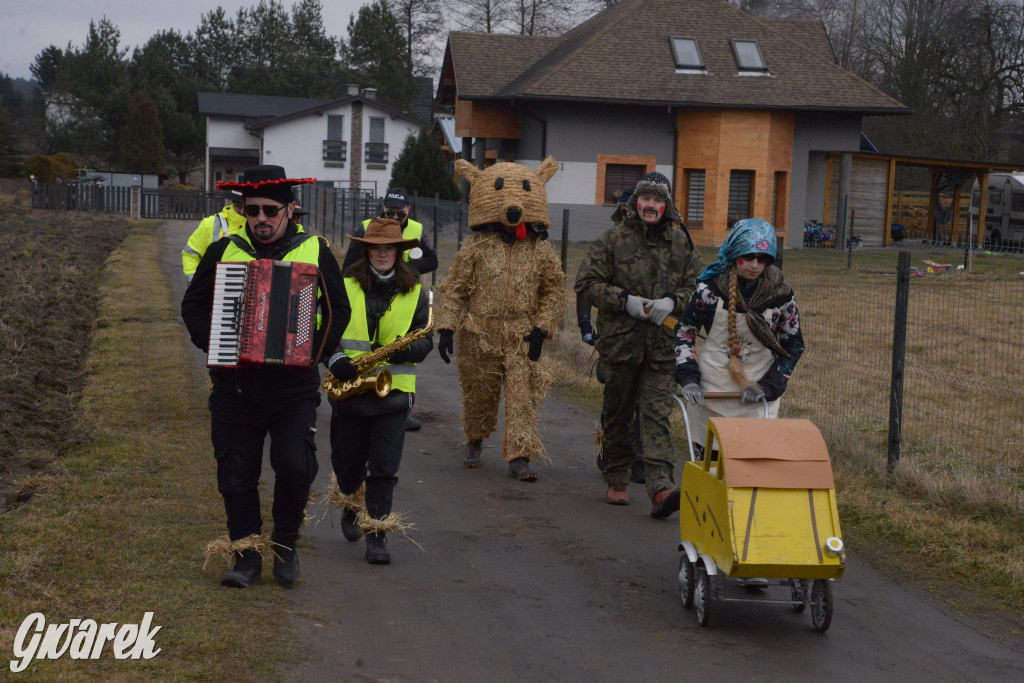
(335, 150)
(376, 152)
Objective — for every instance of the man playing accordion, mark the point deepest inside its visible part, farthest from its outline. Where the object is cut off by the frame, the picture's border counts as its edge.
(249, 401)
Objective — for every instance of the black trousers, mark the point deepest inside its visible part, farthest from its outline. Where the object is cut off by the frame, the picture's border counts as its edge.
(370, 447)
(239, 427)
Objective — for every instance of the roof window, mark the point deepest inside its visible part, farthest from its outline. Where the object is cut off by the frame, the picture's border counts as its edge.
(687, 55)
(748, 55)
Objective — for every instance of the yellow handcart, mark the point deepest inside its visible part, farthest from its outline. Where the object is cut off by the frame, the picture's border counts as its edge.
(758, 512)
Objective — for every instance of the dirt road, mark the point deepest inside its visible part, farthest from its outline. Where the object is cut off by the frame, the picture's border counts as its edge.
(544, 581)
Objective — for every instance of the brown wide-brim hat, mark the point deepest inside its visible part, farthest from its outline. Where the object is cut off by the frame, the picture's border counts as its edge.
(385, 231)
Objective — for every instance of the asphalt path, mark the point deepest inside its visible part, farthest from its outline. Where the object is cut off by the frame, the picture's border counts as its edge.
(511, 581)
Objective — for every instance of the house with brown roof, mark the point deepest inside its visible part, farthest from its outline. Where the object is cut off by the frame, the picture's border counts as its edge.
(741, 113)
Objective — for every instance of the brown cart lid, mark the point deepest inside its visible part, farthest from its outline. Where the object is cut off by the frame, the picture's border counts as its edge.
(778, 454)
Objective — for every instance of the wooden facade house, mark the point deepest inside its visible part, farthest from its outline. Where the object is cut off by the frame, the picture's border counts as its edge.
(740, 113)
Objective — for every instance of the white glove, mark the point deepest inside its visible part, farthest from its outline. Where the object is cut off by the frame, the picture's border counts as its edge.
(635, 307)
(692, 393)
(660, 310)
(752, 394)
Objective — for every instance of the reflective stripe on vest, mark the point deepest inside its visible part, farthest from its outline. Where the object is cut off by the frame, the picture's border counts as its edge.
(393, 324)
(307, 252)
(411, 231)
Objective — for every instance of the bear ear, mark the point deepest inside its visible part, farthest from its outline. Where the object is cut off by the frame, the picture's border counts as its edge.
(467, 170)
(547, 169)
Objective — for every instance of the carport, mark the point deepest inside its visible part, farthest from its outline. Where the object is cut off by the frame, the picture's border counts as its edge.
(870, 200)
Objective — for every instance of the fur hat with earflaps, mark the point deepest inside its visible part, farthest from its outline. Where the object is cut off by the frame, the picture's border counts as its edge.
(385, 231)
(658, 185)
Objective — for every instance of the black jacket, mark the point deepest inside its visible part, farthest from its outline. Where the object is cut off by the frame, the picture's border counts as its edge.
(378, 300)
(265, 382)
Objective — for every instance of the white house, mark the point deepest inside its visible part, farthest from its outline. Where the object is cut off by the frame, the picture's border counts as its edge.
(350, 142)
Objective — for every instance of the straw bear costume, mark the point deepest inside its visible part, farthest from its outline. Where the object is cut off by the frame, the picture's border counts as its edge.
(504, 295)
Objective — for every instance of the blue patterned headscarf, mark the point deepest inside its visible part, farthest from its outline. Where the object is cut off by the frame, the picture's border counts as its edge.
(748, 236)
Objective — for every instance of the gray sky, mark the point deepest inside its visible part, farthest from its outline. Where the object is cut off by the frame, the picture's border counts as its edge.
(28, 26)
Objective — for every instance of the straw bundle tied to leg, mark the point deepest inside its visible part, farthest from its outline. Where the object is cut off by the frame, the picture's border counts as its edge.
(226, 548)
(598, 435)
(332, 498)
(391, 523)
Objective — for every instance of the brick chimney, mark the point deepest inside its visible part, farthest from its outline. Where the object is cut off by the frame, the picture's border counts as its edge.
(357, 156)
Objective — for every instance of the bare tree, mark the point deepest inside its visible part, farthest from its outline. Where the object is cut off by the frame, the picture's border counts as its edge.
(479, 16)
(422, 22)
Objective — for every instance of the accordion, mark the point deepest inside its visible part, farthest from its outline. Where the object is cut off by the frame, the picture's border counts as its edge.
(264, 313)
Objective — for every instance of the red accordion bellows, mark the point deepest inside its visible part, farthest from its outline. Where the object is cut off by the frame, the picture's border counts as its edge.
(264, 313)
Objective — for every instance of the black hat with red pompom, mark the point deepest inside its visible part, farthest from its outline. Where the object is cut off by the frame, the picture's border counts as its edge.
(268, 181)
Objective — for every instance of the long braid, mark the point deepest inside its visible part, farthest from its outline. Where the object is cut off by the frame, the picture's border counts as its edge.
(735, 366)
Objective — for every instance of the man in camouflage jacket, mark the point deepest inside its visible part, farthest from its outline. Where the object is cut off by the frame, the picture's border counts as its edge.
(636, 274)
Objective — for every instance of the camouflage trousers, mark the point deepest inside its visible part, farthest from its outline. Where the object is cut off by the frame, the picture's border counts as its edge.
(487, 365)
(628, 390)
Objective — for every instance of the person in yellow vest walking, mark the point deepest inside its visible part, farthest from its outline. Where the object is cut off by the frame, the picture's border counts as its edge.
(384, 302)
(397, 204)
(248, 403)
(227, 221)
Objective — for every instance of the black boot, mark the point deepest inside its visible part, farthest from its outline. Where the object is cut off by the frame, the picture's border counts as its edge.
(636, 471)
(472, 459)
(349, 527)
(377, 548)
(286, 564)
(246, 572)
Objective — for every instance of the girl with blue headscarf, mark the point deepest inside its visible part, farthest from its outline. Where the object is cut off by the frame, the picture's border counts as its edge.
(751, 325)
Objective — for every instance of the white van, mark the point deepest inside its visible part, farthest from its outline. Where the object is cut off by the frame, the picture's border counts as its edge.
(1004, 214)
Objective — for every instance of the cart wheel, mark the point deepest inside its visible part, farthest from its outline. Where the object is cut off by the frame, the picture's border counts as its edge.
(703, 596)
(685, 580)
(821, 605)
(799, 595)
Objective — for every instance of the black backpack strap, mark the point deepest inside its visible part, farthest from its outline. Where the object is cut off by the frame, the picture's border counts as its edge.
(243, 245)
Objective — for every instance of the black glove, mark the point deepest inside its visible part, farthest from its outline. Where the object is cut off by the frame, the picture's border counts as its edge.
(401, 356)
(587, 332)
(446, 345)
(343, 369)
(536, 339)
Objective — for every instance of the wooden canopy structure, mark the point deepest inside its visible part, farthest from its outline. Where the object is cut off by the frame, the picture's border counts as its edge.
(873, 182)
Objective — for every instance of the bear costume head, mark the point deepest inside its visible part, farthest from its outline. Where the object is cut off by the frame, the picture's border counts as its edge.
(508, 197)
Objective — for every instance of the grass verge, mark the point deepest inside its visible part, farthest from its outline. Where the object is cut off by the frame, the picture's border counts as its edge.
(118, 527)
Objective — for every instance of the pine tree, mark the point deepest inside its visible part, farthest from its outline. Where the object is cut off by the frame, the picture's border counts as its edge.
(421, 168)
(376, 53)
(142, 144)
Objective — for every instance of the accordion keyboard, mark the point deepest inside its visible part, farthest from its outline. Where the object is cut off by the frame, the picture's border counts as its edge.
(226, 318)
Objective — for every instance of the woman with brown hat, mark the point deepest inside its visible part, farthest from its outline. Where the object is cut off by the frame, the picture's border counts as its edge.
(385, 302)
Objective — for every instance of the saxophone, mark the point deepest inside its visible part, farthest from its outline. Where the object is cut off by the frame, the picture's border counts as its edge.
(370, 375)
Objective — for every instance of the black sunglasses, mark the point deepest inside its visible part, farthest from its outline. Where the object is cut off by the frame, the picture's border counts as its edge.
(760, 258)
(268, 211)
(396, 214)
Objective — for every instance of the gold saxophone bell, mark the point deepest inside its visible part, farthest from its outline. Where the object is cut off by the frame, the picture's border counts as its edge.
(370, 375)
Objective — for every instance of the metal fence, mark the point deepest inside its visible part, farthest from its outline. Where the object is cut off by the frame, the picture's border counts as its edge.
(941, 371)
(81, 197)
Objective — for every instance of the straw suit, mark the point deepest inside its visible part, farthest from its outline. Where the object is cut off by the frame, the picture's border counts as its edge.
(504, 295)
